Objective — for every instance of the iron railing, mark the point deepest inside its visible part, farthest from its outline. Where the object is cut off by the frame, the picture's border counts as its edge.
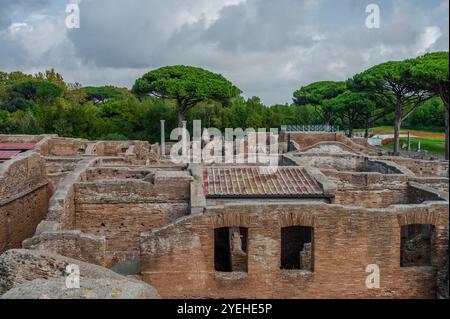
(310, 128)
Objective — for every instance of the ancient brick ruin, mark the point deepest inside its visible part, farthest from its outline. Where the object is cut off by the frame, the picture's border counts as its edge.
(308, 230)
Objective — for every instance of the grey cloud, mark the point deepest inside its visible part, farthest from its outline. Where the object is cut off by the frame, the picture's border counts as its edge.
(268, 48)
(9, 7)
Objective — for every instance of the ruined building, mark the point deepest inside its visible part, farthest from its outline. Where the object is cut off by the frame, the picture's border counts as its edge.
(307, 230)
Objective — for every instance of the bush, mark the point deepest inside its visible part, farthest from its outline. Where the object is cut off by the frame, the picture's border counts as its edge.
(113, 137)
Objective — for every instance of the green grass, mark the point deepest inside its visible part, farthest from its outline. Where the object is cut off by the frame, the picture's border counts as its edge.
(434, 146)
(390, 129)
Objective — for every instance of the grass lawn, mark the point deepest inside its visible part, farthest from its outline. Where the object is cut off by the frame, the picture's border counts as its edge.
(390, 130)
(432, 142)
(434, 146)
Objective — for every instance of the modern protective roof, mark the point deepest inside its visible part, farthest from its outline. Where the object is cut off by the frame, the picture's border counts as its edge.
(251, 182)
(9, 150)
(6, 155)
(16, 146)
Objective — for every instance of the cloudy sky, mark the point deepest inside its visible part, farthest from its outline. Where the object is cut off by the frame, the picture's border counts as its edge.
(268, 48)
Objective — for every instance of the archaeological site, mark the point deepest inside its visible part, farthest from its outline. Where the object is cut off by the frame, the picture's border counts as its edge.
(338, 218)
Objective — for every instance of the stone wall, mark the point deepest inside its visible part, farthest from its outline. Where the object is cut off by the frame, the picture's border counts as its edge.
(62, 147)
(307, 139)
(102, 173)
(376, 190)
(372, 198)
(384, 167)
(346, 241)
(57, 168)
(438, 183)
(422, 168)
(418, 193)
(33, 139)
(340, 162)
(121, 209)
(70, 243)
(24, 196)
(55, 234)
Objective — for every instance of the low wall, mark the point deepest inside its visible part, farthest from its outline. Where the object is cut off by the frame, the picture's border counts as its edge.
(346, 240)
(341, 162)
(418, 193)
(33, 139)
(63, 147)
(73, 244)
(422, 168)
(307, 139)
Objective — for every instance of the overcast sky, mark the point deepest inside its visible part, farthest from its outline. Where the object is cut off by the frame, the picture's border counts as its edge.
(268, 48)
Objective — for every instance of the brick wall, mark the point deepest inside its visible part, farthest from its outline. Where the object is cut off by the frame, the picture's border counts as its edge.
(21, 138)
(62, 147)
(373, 198)
(24, 196)
(367, 189)
(99, 173)
(20, 217)
(120, 210)
(422, 168)
(346, 240)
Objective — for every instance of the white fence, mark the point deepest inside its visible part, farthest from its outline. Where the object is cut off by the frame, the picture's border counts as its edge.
(309, 128)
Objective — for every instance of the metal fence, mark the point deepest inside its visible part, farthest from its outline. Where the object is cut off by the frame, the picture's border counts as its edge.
(310, 128)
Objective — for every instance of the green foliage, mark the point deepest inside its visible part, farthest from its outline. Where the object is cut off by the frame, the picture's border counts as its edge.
(395, 82)
(429, 116)
(44, 103)
(16, 103)
(431, 72)
(35, 90)
(317, 92)
(113, 137)
(351, 107)
(53, 77)
(6, 125)
(98, 95)
(187, 85)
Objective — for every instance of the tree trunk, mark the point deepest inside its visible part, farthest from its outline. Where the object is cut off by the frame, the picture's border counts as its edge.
(397, 126)
(351, 123)
(328, 117)
(367, 127)
(181, 118)
(350, 130)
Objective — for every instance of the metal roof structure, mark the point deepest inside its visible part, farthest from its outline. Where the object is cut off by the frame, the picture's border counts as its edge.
(6, 155)
(16, 146)
(254, 182)
(9, 150)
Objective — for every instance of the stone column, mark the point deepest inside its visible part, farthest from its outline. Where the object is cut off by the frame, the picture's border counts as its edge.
(163, 139)
(184, 142)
